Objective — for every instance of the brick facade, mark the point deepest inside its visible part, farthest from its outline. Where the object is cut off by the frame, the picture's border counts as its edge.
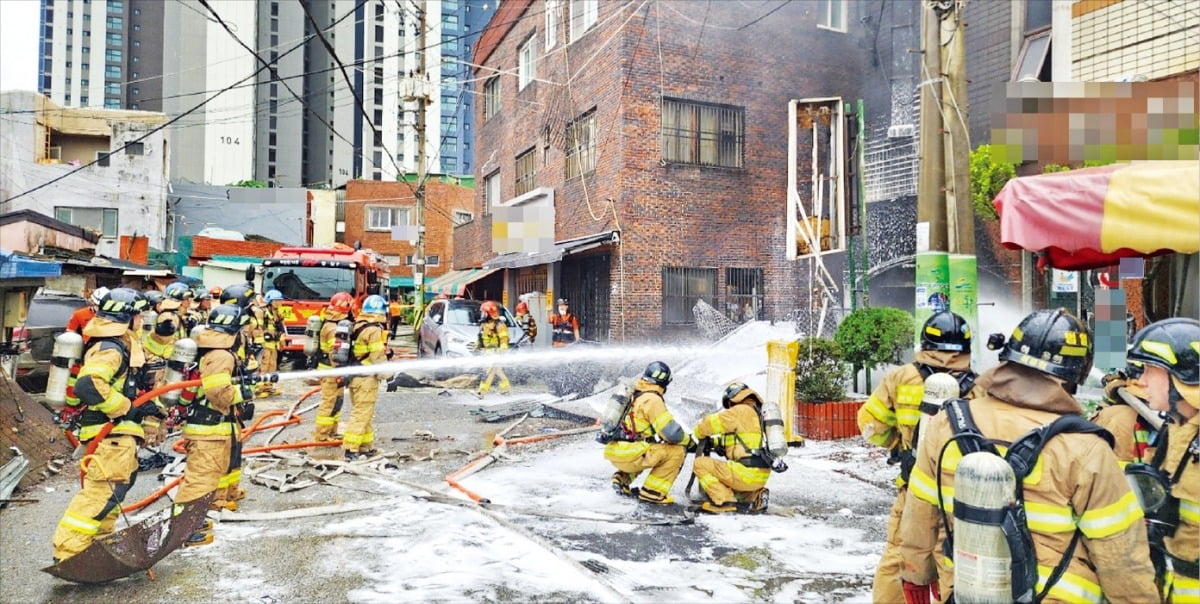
(670, 215)
(204, 248)
(441, 201)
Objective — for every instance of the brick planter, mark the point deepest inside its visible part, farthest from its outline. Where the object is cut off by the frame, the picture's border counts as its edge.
(827, 421)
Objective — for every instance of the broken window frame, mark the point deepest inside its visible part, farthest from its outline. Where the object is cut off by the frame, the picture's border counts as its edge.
(581, 145)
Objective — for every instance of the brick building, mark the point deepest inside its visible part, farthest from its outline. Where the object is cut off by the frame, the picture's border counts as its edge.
(654, 141)
(372, 208)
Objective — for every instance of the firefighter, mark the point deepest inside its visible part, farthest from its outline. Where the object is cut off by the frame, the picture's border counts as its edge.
(1169, 350)
(369, 347)
(79, 319)
(739, 483)
(658, 443)
(1079, 508)
(493, 339)
(106, 384)
(563, 325)
(210, 429)
(202, 305)
(1131, 432)
(246, 349)
(329, 410)
(242, 295)
(267, 316)
(169, 326)
(526, 321)
(889, 419)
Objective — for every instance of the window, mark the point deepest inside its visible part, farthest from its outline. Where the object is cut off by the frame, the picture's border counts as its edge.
(449, 101)
(551, 23)
(833, 15)
(703, 134)
(137, 43)
(449, 44)
(383, 218)
(101, 220)
(379, 33)
(274, 9)
(111, 88)
(115, 39)
(450, 21)
(450, 144)
(681, 288)
(744, 299)
(115, 22)
(583, 17)
(491, 97)
(112, 103)
(115, 7)
(581, 145)
(526, 172)
(85, 83)
(1033, 65)
(449, 165)
(112, 55)
(112, 71)
(432, 260)
(462, 217)
(84, 101)
(1037, 14)
(526, 69)
(491, 191)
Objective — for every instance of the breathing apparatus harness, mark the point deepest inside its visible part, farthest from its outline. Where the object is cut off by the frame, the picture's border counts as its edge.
(1152, 485)
(1022, 456)
(907, 458)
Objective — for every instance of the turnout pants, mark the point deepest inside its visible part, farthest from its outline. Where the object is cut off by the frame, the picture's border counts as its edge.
(329, 412)
(724, 482)
(229, 486)
(109, 473)
(887, 587)
(207, 464)
(270, 364)
(664, 462)
(364, 391)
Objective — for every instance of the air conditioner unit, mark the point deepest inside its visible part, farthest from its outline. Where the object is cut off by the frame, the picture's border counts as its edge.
(54, 153)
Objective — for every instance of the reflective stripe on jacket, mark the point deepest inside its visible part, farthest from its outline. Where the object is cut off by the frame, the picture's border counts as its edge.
(217, 394)
(101, 385)
(1185, 543)
(493, 335)
(740, 432)
(650, 420)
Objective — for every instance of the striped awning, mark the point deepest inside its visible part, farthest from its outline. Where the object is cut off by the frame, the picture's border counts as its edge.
(454, 283)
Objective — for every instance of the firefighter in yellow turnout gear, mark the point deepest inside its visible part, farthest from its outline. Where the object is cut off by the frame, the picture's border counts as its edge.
(653, 440)
(1169, 350)
(270, 330)
(368, 347)
(742, 478)
(493, 339)
(169, 326)
(211, 427)
(329, 411)
(105, 384)
(246, 349)
(1087, 530)
(889, 419)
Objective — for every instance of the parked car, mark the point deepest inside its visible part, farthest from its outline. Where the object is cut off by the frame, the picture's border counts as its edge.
(450, 328)
(48, 314)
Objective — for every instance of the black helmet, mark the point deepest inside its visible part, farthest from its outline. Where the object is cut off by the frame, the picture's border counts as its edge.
(562, 302)
(657, 373)
(1053, 342)
(228, 318)
(239, 295)
(178, 291)
(736, 393)
(153, 297)
(121, 304)
(1173, 344)
(946, 331)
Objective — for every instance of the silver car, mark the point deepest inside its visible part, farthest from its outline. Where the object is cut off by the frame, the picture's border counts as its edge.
(451, 328)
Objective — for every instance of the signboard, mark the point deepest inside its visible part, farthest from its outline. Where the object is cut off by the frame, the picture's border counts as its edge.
(1064, 282)
(309, 262)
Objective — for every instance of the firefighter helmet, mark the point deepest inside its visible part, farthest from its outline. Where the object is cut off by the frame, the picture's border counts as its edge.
(121, 304)
(239, 295)
(1053, 342)
(522, 307)
(490, 309)
(98, 295)
(178, 291)
(657, 373)
(273, 296)
(738, 392)
(562, 302)
(374, 305)
(153, 297)
(341, 302)
(1173, 344)
(946, 331)
(201, 294)
(228, 318)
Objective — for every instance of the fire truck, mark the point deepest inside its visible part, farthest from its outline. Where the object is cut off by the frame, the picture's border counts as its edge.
(308, 276)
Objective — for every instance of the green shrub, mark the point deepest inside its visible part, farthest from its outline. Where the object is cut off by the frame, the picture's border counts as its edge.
(870, 337)
(988, 176)
(820, 371)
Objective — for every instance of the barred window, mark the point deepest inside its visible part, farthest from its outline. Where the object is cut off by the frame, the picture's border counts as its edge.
(703, 134)
(526, 172)
(581, 145)
(744, 300)
(491, 97)
(682, 286)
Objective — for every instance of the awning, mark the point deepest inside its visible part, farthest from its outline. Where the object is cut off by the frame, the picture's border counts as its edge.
(454, 283)
(400, 281)
(1090, 218)
(561, 248)
(13, 266)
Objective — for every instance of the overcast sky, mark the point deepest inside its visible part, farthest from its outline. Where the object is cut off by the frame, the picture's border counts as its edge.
(19, 44)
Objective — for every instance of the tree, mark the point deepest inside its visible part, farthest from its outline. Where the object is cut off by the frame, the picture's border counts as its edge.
(870, 337)
(820, 371)
(988, 176)
(249, 184)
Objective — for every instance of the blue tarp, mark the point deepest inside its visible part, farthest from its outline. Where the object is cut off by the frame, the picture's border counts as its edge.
(13, 266)
(400, 282)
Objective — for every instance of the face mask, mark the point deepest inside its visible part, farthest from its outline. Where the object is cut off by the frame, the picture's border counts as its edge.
(562, 310)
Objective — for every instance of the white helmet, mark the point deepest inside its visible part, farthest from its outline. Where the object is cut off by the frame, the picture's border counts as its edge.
(98, 295)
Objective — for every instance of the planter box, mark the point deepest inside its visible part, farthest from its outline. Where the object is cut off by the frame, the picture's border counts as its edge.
(827, 421)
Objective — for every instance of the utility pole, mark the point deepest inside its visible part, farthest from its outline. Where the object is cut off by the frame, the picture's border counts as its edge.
(420, 88)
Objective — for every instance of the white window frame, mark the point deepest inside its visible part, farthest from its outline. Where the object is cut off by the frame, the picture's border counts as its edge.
(527, 63)
(462, 217)
(825, 19)
(491, 97)
(583, 17)
(392, 212)
(67, 214)
(491, 191)
(551, 23)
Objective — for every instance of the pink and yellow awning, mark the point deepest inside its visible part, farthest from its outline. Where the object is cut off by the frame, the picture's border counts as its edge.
(1090, 218)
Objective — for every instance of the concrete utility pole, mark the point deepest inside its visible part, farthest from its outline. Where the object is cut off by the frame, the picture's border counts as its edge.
(946, 264)
(421, 86)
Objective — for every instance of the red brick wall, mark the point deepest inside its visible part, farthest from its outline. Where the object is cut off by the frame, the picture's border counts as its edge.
(204, 248)
(441, 200)
(672, 215)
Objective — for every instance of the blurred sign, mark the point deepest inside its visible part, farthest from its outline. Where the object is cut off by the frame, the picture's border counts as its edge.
(1063, 282)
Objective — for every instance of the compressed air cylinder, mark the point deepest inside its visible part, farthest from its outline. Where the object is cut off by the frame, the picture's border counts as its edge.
(341, 347)
(183, 354)
(68, 350)
(616, 407)
(312, 335)
(773, 422)
(939, 388)
(982, 561)
(149, 318)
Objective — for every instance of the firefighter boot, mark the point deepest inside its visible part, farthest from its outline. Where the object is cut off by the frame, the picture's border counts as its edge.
(655, 497)
(756, 502)
(709, 507)
(202, 536)
(620, 483)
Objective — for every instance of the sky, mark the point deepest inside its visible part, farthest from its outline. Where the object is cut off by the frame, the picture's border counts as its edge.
(18, 44)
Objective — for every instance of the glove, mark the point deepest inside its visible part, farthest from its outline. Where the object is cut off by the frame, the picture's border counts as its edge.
(390, 353)
(920, 594)
(713, 443)
(1112, 382)
(392, 385)
(692, 445)
(310, 362)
